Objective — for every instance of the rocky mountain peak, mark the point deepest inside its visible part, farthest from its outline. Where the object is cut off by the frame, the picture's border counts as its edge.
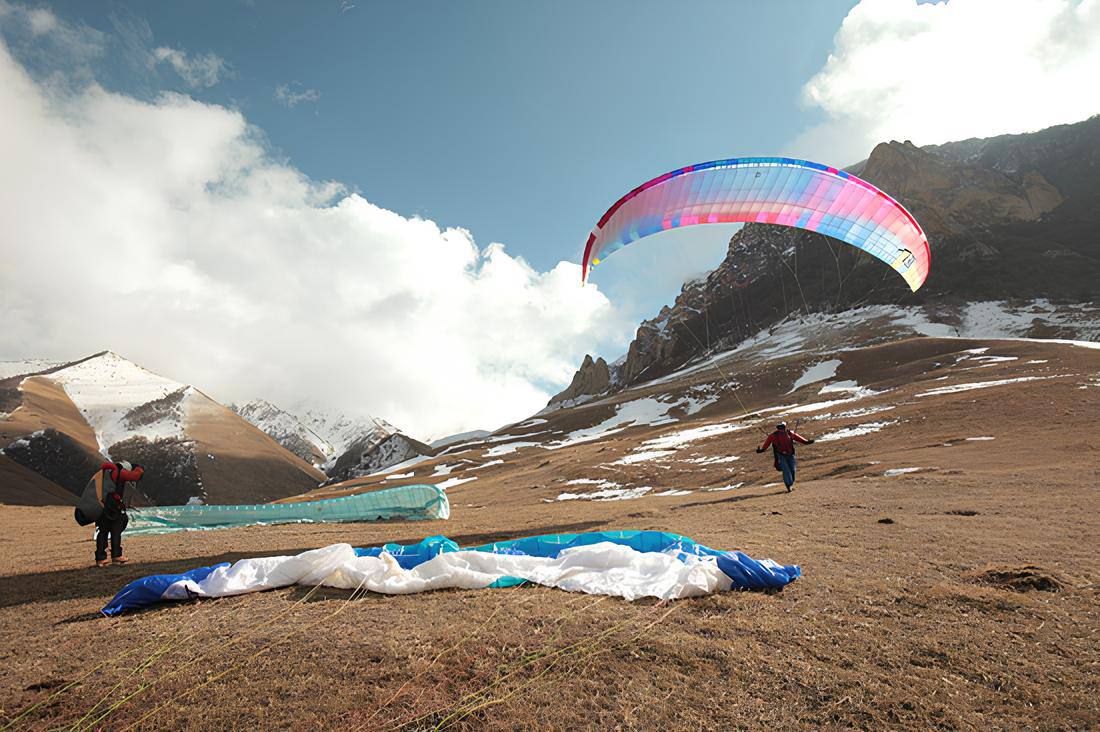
(593, 377)
(950, 198)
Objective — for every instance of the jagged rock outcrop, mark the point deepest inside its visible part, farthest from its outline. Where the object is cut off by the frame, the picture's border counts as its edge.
(593, 377)
(1016, 216)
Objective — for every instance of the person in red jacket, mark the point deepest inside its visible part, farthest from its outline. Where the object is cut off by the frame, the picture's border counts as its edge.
(782, 443)
(112, 522)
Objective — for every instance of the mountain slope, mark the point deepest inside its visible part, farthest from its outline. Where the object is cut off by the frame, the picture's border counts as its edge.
(21, 486)
(879, 380)
(63, 422)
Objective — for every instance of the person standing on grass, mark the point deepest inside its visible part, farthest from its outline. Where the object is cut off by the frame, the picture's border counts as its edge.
(112, 521)
(782, 443)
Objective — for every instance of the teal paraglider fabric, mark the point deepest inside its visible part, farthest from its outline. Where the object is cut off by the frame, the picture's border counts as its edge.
(410, 502)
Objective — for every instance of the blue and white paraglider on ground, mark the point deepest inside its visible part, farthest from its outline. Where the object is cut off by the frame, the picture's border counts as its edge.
(627, 564)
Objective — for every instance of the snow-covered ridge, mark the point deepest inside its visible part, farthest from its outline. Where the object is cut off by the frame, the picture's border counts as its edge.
(341, 431)
(283, 426)
(121, 400)
(315, 434)
(9, 369)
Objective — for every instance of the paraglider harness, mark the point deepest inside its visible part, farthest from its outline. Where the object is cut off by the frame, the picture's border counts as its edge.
(113, 506)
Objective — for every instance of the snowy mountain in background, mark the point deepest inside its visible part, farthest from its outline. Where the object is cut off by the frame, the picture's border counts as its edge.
(342, 431)
(62, 420)
(287, 429)
(335, 443)
(367, 456)
(122, 401)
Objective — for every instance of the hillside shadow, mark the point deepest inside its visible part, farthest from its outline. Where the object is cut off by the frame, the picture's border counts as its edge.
(105, 582)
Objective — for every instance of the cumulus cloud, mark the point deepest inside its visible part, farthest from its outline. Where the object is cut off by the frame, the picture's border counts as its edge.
(966, 68)
(199, 71)
(164, 230)
(293, 94)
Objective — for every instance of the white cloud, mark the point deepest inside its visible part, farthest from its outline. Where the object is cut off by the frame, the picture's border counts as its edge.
(54, 39)
(938, 72)
(293, 94)
(199, 71)
(165, 231)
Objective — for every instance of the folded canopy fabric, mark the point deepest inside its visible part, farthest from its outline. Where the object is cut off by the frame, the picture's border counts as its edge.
(627, 564)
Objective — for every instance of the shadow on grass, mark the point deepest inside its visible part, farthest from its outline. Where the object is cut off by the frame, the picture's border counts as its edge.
(104, 582)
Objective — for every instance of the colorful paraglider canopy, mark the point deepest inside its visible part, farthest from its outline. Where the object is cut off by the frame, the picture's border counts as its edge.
(780, 191)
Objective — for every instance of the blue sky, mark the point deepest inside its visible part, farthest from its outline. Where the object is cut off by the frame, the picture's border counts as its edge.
(519, 121)
(191, 146)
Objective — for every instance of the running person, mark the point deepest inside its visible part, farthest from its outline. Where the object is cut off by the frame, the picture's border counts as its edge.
(782, 443)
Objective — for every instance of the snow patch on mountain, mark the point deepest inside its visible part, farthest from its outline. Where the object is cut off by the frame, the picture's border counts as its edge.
(856, 431)
(286, 429)
(341, 430)
(863, 326)
(817, 372)
(955, 388)
(461, 437)
(121, 400)
(647, 411)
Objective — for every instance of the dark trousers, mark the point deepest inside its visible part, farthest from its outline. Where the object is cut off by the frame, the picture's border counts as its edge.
(109, 528)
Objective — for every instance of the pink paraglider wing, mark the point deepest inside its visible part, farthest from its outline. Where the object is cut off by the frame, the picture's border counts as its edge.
(782, 191)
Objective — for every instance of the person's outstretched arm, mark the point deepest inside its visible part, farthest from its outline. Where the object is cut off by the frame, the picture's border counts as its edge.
(134, 475)
(799, 438)
(767, 442)
(118, 473)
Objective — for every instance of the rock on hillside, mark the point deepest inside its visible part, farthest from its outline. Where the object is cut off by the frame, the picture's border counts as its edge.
(64, 421)
(368, 456)
(1010, 220)
(287, 429)
(593, 377)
